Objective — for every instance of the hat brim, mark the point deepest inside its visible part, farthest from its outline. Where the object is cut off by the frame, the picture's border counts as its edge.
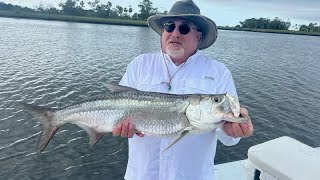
(206, 25)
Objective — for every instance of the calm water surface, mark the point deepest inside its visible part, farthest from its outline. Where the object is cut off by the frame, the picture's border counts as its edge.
(58, 63)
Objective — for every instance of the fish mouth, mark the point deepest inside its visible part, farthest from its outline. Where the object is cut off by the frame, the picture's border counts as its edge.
(219, 123)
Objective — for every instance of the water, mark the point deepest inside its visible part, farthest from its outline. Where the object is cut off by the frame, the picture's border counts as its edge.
(58, 63)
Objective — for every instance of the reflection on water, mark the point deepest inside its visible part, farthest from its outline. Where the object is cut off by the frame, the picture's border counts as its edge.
(59, 63)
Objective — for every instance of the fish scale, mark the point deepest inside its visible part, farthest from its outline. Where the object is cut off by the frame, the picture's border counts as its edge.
(107, 113)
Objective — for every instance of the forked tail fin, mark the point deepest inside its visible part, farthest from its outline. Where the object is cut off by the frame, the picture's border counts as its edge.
(45, 116)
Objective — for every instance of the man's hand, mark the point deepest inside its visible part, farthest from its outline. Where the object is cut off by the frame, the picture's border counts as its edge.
(125, 129)
(239, 129)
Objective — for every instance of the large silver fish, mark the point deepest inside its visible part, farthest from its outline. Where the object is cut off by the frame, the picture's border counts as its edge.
(156, 114)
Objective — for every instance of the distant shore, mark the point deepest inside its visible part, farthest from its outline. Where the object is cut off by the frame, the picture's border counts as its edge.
(97, 20)
(81, 19)
(271, 31)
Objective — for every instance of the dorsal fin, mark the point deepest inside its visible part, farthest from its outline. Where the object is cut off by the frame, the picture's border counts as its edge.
(114, 87)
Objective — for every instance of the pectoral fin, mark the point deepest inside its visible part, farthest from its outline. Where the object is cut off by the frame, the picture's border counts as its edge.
(181, 135)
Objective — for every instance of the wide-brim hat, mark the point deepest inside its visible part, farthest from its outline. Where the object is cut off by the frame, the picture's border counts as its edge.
(188, 10)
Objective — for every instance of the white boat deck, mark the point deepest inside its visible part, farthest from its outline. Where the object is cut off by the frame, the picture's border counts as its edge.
(229, 171)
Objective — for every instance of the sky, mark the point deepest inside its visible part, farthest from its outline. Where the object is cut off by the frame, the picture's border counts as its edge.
(223, 12)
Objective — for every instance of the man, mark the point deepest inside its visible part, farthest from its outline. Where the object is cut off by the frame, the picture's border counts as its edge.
(180, 68)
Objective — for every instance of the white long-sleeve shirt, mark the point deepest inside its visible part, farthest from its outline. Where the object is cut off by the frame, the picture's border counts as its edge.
(192, 158)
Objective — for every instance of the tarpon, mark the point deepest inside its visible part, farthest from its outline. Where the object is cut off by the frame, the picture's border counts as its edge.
(151, 113)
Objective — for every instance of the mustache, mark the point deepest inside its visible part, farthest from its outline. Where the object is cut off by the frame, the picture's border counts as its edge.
(175, 40)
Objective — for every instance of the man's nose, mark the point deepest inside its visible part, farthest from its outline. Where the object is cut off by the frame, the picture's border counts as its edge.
(176, 32)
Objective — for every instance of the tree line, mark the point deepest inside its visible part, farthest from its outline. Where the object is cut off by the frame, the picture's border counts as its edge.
(312, 27)
(276, 23)
(97, 9)
(146, 9)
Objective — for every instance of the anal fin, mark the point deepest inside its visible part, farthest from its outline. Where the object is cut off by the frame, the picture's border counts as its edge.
(94, 135)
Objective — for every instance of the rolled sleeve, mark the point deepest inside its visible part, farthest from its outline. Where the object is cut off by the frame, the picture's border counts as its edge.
(226, 84)
(131, 76)
(225, 139)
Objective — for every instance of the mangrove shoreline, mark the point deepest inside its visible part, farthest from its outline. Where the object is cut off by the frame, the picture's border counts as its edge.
(127, 22)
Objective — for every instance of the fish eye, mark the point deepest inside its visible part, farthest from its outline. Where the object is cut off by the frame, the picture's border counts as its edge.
(216, 99)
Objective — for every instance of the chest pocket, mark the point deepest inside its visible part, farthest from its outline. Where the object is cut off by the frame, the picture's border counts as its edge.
(201, 86)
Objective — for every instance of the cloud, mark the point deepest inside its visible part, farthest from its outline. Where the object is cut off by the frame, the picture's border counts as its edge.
(230, 12)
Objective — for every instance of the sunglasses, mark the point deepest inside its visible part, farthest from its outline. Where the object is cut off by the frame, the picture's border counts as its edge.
(183, 28)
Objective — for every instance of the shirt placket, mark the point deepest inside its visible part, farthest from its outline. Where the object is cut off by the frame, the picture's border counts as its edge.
(173, 72)
(164, 160)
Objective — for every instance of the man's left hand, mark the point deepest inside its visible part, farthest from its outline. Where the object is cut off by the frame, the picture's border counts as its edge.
(239, 129)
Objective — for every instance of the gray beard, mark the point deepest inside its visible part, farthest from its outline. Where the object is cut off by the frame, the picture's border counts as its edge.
(174, 53)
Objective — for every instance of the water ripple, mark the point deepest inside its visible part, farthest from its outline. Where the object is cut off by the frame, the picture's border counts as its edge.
(116, 152)
(18, 154)
(18, 141)
(60, 63)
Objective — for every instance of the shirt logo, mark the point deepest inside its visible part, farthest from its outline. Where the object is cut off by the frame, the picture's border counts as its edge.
(209, 78)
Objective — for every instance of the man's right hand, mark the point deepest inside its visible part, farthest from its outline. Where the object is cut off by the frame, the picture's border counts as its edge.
(126, 130)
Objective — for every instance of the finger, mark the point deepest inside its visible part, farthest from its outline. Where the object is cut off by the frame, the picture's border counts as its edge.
(131, 131)
(247, 131)
(237, 129)
(125, 128)
(247, 128)
(227, 128)
(140, 134)
(244, 112)
(117, 130)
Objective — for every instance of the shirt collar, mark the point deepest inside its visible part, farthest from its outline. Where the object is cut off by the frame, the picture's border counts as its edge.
(189, 60)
